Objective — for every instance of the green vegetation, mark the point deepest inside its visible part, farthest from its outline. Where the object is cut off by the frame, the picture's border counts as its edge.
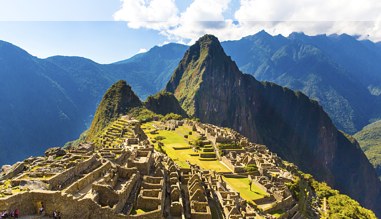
(164, 103)
(75, 143)
(277, 213)
(333, 204)
(171, 116)
(159, 138)
(178, 148)
(187, 78)
(143, 115)
(117, 101)
(370, 141)
(114, 134)
(137, 211)
(242, 186)
(251, 168)
(174, 141)
(227, 146)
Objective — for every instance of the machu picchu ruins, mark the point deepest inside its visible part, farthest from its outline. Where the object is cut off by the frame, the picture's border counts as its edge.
(159, 169)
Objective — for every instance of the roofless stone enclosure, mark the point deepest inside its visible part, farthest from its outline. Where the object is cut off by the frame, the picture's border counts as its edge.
(122, 176)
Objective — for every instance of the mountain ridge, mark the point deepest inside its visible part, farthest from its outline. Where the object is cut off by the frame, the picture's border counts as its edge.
(82, 81)
(291, 124)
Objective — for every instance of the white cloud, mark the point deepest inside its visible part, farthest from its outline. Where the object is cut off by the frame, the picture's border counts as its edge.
(201, 17)
(276, 17)
(142, 50)
(151, 14)
(312, 17)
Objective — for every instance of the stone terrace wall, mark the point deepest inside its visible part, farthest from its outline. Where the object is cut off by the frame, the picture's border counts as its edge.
(89, 178)
(69, 208)
(61, 178)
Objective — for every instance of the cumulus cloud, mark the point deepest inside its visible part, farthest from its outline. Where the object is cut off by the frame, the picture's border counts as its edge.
(201, 17)
(276, 17)
(152, 14)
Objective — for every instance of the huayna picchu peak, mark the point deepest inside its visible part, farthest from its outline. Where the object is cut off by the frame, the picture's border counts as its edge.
(214, 144)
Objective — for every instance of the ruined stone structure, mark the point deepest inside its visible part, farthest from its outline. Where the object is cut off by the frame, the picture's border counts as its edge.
(122, 176)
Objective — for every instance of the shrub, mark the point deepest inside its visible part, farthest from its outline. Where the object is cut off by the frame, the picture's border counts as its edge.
(228, 146)
(251, 168)
(159, 138)
(171, 116)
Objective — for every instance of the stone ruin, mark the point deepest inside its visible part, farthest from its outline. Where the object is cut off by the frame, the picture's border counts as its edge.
(121, 176)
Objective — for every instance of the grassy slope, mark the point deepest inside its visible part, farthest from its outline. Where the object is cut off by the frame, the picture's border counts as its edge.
(370, 141)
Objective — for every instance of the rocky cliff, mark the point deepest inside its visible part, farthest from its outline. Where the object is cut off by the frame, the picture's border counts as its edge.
(117, 101)
(209, 85)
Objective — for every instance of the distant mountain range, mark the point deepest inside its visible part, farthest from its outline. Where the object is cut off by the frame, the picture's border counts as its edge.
(47, 102)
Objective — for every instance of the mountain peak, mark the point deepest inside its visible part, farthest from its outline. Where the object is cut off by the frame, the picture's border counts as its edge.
(260, 35)
(118, 100)
(206, 60)
(207, 44)
(208, 39)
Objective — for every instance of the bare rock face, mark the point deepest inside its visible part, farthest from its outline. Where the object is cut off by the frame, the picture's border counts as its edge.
(209, 86)
(5, 168)
(55, 152)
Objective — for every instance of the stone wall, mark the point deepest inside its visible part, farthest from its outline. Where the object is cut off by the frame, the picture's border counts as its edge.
(234, 169)
(148, 215)
(89, 178)
(126, 191)
(255, 182)
(27, 203)
(71, 173)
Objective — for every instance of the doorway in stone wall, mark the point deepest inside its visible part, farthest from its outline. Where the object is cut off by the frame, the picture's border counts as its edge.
(39, 206)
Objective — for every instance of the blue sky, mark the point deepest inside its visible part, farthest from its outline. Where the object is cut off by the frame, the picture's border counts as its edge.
(112, 30)
(102, 41)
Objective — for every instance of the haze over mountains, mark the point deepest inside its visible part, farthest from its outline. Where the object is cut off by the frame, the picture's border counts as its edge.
(341, 72)
(47, 102)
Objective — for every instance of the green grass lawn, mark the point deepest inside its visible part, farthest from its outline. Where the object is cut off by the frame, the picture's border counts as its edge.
(175, 139)
(241, 185)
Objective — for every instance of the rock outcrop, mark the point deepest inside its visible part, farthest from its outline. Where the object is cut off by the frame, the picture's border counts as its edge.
(209, 85)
